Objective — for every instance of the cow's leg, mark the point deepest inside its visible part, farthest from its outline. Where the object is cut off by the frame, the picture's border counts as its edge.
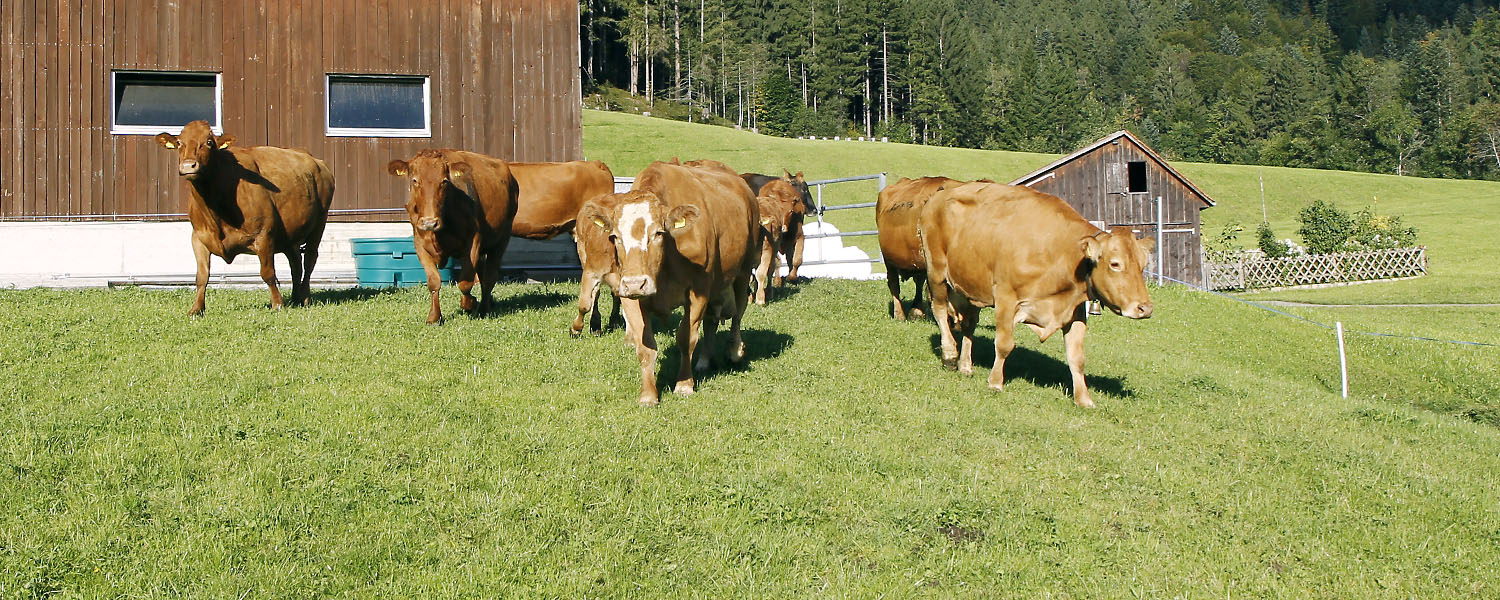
(920, 279)
(1005, 337)
(687, 340)
(434, 284)
(588, 303)
(893, 283)
(645, 348)
(711, 318)
(764, 270)
(968, 315)
(1073, 334)
(200, 255)
(940, 310)
(613, 281)
(489, 275)
(309, 259)
(791, 246)
(736, 349)
(294, 262)
(268, 272)
(468, 275)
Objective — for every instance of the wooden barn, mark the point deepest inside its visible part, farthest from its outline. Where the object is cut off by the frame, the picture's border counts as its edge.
(84, 84)
(1119, 180)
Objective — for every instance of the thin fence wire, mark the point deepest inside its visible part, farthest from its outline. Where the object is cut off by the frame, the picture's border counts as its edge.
(1322, 324)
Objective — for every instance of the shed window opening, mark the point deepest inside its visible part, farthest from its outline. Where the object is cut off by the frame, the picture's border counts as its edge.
(1137, 170)
(378, 106)
(151, 102)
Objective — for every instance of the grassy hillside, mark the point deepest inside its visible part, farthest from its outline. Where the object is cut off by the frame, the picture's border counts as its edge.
(346, 449)
(1456, 219)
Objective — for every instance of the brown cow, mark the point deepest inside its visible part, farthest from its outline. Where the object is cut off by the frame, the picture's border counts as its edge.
(262, 200)
(778, 206)
(794, 238)
(597, 257)
(1033, 258)
(681, 236)
(550, 196)
(896, 212)
(461, 205)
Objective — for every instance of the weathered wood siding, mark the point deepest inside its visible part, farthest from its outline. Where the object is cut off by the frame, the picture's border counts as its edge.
(1097, 184)
(503, 78)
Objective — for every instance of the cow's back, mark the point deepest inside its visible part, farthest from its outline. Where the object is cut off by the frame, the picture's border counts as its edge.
(897, 211)
(494, 188)
(724, 237)
(1012, 237)
(549, 194)
(297, 183)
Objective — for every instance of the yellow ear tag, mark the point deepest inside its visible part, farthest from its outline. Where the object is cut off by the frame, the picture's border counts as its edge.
(170, 146)
(765, 220)
(680, 223)
(224, 145)
(600, 222)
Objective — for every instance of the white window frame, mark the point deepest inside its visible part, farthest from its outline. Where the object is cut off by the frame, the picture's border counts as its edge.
(331, 131)
(117, 129)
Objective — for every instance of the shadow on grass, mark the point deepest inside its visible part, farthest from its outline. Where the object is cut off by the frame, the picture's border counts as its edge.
(1039, 369)
(760, 344)
(531, 299)
(780, 294)
(350, 295)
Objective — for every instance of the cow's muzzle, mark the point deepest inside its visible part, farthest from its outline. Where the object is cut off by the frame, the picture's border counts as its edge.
(637, 286)
(188, 168)
(429, 224)
(1138, 311)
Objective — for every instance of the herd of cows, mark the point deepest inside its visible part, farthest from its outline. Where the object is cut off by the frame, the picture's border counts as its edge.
(693, 234)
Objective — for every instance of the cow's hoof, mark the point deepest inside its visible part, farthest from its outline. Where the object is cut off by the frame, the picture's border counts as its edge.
(917, 313)
(683, 389)
(950, 364)
(574, 333)
(1084, 402)
(737, 353)
(966, 370)
(435, 322)
(997, 386)
(649, 401)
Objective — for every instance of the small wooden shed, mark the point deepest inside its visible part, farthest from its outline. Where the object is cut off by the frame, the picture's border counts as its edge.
(1119, 180)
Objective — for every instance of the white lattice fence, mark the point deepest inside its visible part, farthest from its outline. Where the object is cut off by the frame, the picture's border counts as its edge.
(1315, 269)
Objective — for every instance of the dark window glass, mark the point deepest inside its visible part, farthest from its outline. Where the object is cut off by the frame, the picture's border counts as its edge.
(165, 99)
(375, 102)
(1137, 177)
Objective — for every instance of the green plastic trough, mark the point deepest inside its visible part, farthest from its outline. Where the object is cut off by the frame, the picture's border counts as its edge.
(392, 262)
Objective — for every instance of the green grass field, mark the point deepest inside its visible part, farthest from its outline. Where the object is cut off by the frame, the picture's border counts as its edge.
(345, 449)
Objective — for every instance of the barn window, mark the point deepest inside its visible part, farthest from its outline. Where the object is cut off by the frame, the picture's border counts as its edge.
(379, 106)
(151, 102)
(1137, 176)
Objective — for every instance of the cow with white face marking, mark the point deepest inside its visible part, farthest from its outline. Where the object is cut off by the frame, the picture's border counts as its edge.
(682, 236)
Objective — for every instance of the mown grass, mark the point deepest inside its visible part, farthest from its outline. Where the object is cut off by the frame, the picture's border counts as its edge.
(345, 449)
(1455, 218)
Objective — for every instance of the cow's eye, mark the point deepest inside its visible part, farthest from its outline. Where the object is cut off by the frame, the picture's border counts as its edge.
(658, 233)
(1115, 265)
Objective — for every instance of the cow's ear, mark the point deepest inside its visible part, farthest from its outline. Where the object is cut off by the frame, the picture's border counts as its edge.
(682, 217)
(593, 214)
(1092, 248)
(225, 141)
(1146, 245)
(458, 170)
(798, 176)
(398, 168)
(167, 140)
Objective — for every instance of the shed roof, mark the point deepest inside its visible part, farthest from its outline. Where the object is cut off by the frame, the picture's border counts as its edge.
(1033, 176)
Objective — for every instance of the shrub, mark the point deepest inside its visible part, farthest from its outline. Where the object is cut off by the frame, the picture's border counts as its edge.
(1223, 245)
(1272, 247)
(1325, 228)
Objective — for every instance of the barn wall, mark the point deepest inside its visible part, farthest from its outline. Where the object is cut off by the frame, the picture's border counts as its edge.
(1096, 183)
(503, 77)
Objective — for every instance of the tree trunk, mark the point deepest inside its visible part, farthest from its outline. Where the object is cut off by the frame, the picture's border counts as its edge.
(885, 76)
(650, 62)
(676, 51)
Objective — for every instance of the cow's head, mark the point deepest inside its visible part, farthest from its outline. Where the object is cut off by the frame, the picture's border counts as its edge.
(1114, 262)
(800, 184)
(196, 147)
(643, 229)
(773, 218)
(779, 199)
(433, 181)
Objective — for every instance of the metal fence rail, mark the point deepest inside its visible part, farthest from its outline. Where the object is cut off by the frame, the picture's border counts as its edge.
(821, 208)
